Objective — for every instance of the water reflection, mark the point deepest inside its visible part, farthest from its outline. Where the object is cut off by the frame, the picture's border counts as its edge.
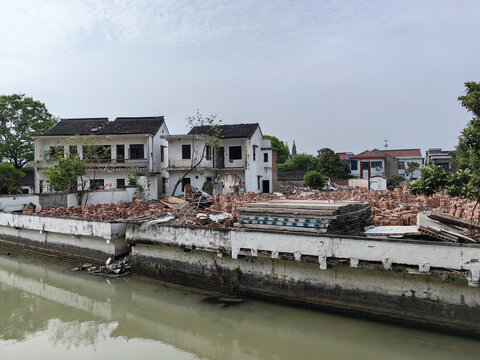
(47, 306)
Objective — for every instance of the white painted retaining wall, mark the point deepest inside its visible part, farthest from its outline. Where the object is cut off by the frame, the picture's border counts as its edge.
(115, 196)
(423, 255)
(17, 202)
(85, 234)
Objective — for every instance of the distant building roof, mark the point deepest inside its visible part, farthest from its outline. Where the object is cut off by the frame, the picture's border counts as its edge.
(77, 126)
(367, 154)
(101, 126)
(344, 156)
(227, 131)
(404, 152)
(132, 125)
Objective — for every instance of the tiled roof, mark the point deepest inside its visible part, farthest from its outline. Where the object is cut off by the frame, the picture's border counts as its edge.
(344, 156)
(367, 155)
(404, 152)
(132, 125)
(101, 126)
(76, 126)
(227, 131)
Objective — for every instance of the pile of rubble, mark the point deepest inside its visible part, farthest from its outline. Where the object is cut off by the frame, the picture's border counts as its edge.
(111, 268)
(388, 208)
(391, 208)
(110, 212)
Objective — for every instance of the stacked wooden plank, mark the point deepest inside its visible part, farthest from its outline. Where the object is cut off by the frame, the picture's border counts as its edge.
(349, 218)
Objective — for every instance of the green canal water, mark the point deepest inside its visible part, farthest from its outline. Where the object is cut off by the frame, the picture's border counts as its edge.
(49, 312)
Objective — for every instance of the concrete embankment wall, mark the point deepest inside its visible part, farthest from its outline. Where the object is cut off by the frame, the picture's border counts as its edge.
(67, 237)
(399, 280)
(48, 200)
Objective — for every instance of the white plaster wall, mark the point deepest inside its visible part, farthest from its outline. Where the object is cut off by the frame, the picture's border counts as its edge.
(16, 202)
(66, 226)
(258, 167)
(197, 179)
(44, 143)
(175, 152)
(416, 174)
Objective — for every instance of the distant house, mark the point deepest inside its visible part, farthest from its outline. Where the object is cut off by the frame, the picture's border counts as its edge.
(439, 157)
(405, 156)
(244, 153)
(372, 163)
(122, 145)
(385, 163)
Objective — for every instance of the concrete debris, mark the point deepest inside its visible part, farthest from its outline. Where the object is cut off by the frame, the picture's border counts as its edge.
(111, 268)
(441, 230)
(387, 208)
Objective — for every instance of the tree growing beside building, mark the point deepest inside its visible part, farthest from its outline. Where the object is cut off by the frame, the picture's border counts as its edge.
(9, 178)
(300, 162)
(412, 166)
(330, 165)
(69, 172)
(208, 140)
(21, 118)
(282, 151)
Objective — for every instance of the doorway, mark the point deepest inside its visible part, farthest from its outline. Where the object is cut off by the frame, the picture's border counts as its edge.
(266, 186)
(120, 153)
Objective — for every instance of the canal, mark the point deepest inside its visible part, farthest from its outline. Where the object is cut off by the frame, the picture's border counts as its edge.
(47, 311)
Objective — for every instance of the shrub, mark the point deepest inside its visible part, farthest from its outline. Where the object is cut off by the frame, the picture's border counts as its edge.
(314, 180)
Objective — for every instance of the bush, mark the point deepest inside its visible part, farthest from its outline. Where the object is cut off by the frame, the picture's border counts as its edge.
(314, 180)
(9, 178)
(394, 180)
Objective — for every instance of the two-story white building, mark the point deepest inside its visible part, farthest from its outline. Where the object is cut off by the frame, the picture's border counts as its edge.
(405, 156)
(243, 153)
(115, 150)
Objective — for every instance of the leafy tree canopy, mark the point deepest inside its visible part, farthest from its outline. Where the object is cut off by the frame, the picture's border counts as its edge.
(279, 146)
(412, 166)
(21, 118)
(330, 165)
(9, 178)
(300, 162)
(68, 174)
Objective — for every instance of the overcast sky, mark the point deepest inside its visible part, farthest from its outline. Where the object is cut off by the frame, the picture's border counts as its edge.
(338, 74)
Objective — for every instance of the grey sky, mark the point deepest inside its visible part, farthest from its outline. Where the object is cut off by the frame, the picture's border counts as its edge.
(339, 74)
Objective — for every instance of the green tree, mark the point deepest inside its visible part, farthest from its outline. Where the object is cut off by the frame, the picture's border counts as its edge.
(412, 166)
(465, 181)
(279, 146)
(460, 157)
(330, 165)
(21, 118)
(294, 149)
(300, 162)
(9, 178)
(69, 174)
(314, 180)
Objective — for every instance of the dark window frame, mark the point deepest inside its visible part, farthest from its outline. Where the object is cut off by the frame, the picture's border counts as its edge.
(186, 151)
(235, 152)
(136, 151)
(265, 157)
(96, 183)
(119, 183)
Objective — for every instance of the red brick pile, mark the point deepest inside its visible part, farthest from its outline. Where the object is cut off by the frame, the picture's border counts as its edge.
(397, 207)
(109, 211)
(230, 202)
